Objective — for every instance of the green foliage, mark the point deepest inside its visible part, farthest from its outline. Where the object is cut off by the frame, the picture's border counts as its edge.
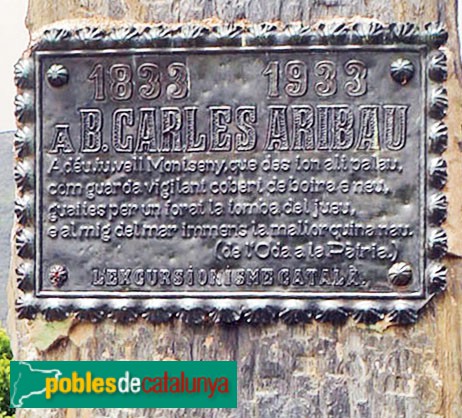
(5, 356)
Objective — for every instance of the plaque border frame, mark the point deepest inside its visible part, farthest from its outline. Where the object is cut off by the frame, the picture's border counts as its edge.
(232, 311)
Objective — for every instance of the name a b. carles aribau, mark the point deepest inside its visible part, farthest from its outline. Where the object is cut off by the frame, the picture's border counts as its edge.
(227, 128)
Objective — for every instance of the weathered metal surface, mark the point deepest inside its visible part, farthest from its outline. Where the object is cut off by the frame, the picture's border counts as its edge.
(245, 173)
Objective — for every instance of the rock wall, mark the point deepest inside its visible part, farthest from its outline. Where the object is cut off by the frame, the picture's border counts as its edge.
(313, 370)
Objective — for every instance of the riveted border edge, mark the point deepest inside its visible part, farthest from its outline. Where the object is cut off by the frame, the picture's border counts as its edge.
(262, 311)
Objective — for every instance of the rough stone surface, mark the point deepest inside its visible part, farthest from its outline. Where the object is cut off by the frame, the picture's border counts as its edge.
(6, 213)
(316, 370)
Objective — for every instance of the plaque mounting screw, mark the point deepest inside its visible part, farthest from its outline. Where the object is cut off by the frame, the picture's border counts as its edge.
(400, 274)
(58, 275)
(402, 71)
(58, 75)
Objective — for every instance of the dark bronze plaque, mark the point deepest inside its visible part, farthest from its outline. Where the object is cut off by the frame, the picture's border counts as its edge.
(252, 175)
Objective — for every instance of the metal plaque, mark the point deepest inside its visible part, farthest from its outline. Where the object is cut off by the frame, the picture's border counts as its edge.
(232, 173)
